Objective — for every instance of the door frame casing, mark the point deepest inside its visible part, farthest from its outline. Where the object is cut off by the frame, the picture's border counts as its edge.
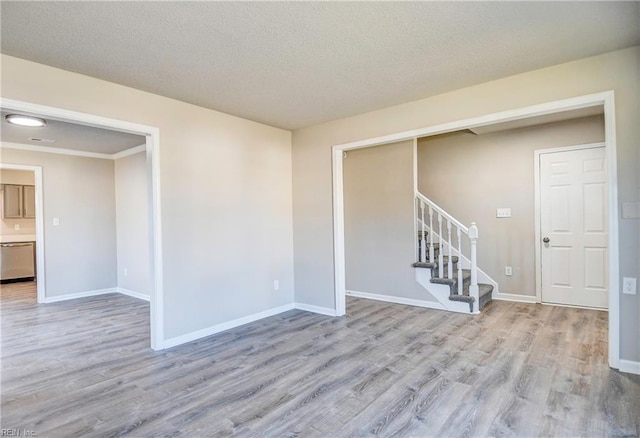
(538, 211)
(37, 182)
(152, 136)
(605, 99)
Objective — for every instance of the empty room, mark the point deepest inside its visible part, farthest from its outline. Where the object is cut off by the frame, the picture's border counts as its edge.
(320, 219)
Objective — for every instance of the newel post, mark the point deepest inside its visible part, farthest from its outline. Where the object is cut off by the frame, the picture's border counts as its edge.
(473, 288)
(460, 277)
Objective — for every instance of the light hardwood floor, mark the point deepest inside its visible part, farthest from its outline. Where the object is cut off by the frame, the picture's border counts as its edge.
(84, 368)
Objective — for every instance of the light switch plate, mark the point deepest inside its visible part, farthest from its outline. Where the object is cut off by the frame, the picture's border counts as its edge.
(629, 285)
(16, 227)
(503, 212)
(56, 221)
(631, 210)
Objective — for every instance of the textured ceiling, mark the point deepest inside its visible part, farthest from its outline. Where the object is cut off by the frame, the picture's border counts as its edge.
(294, 64)
(70, 136)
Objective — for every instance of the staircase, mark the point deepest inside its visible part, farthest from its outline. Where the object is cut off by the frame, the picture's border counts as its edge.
(484, 291)
(442, 267)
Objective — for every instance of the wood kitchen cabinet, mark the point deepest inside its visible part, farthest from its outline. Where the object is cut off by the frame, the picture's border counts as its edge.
(19, 202)
(12, 206)
(29, 202)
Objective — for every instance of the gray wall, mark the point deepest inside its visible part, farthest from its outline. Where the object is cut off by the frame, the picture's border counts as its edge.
(379, 222)
(27, 226)
(80, 253)
(218, 170)
(471, 175)
(132, 223)
(225, 187)
(312, 182)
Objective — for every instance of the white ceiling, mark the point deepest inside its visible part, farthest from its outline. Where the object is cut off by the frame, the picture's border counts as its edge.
(69, 136)
(294, 64)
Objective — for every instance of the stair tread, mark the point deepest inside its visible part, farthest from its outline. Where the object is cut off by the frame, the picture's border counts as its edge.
(462, 298)
(429, 264)
(423, 265)
(483, 289)
(466, 274)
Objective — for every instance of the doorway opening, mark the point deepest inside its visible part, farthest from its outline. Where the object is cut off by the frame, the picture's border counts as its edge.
(19, 225)
(152, 176)
(604, 102)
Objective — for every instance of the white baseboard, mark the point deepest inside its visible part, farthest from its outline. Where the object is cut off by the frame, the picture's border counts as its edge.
(133, 293)
(629, 366)
(396, 300)
(571, 306)
(89, 293)
(183, 339)
(514, 297)
(315, 309)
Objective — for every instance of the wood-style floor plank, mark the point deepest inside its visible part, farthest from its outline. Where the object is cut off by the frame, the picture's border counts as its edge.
(84, 368)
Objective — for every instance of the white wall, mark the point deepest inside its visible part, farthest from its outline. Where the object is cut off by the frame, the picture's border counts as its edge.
(312, 182)
(80, 253)
(132, 224)
(226, 194)
(7, 226)
(379, 221)
(471, 175)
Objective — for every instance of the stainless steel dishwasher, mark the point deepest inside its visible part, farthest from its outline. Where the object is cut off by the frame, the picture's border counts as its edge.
(17, 261)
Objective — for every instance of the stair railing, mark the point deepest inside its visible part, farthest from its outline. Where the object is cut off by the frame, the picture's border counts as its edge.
(426, 251)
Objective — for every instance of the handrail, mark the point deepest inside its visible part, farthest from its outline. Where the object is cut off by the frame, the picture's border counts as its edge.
(444, 214)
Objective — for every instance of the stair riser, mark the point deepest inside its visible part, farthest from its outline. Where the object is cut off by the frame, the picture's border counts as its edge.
(485, 299)
(466, 280)
(436, 252)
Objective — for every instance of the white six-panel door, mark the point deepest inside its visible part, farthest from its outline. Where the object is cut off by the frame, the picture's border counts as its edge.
(573, 228)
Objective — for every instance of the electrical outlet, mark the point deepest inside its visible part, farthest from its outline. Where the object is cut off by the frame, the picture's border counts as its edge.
(16, 227)
(508, 271)
(56, 221)
(125, 272)
(503, 212)
(629, 285)
(276, 285)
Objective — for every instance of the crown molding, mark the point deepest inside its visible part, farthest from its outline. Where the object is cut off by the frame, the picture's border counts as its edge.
(62, 151)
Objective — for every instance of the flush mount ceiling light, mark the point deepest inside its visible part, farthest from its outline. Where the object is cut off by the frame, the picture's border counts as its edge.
(32, 122)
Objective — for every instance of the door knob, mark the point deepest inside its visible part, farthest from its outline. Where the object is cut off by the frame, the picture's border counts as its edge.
(546, 240)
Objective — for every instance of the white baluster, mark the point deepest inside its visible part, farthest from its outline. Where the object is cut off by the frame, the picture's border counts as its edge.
(459, 264)
(441, 250)
(473, 288)
(449, 262)
(423, 241)
(431, 256)
(417, 228)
